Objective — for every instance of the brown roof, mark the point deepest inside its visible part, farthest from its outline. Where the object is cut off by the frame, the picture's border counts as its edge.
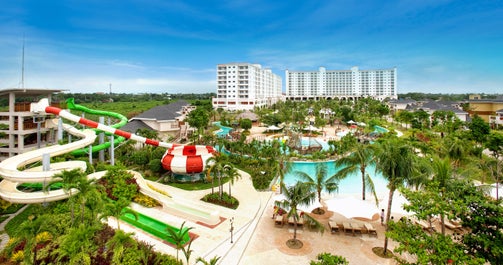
(247, 115)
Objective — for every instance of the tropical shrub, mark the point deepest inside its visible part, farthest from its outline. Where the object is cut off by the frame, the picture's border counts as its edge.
(146, 201)
(226, 201)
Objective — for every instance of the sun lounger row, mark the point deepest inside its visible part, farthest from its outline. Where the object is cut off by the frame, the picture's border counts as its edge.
(352, 228)
(425, 225)
(453, 225)
(279, 220)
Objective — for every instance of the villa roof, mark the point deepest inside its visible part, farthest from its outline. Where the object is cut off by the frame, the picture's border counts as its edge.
(134, 125)
(165, 112)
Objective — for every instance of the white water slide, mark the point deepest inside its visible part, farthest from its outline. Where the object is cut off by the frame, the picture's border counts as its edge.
(13, 177)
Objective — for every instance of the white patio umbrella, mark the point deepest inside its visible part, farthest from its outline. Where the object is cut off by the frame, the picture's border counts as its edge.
(351, 207)
(311, 128)
(273, 128)
(397, 206)
(351, 122)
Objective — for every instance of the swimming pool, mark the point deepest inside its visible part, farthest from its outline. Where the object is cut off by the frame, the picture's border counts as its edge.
(350, 185)
(309, 141)
(224, 130)
(380, 129)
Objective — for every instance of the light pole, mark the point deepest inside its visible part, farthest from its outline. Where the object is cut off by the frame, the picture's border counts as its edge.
(232, 227)
(38, 119)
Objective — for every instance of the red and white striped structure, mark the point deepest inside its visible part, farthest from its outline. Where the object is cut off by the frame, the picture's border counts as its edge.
(187, 159)
(179, 159)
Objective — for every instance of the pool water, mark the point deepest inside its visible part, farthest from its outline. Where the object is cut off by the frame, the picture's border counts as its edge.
(224, 131)
(308, 141)
(350, 185)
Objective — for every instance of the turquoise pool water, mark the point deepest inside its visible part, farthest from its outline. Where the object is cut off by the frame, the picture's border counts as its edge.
(224, 130)
(308, 141)
(380, 129)
(350, 185)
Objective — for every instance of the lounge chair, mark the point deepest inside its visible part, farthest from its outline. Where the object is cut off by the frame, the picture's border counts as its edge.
(357, 228)
(279, 220)
(347, 228)
(370, 229)
(300, 222)
(334, 227)
(425, 225)
(455, 227)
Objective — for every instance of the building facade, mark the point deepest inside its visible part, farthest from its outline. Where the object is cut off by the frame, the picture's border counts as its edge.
(243, 86)
(485, 108)
(341, 84)
(22, 130)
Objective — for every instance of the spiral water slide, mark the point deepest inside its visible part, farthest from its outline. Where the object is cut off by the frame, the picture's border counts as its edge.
(70, 103)
(13, 177)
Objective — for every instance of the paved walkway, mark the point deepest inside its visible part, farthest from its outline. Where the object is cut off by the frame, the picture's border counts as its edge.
(4, 237)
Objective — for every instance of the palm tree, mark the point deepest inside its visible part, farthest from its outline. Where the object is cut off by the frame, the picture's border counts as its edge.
(321, 180)
(233, 174)
(362, 156)
(69, 182)
(281, 167)
(117, 209)
(178, 236)
(395, 161)
(212, 261)
(215, 165)
(85, 187)
(442, 176)
(298, 194)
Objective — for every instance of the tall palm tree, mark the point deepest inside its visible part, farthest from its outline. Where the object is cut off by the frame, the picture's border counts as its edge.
(359, 159)
(298, 194)
(178, 236)
(232, 174)
(117, 209)
(85, 187)
(281, 167)
(395, 160)
(321, 181)
(69, 182)
(215, 168)
(442, 177)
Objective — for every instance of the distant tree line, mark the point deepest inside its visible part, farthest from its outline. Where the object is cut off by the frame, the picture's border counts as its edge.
(446, 97)
(115, 97)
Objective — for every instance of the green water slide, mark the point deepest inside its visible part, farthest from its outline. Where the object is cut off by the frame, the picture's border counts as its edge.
(95, 148)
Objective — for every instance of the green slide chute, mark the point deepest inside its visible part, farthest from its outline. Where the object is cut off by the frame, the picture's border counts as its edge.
(70, 103)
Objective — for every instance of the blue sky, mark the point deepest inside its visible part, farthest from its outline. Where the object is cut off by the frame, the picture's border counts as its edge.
(438, 46)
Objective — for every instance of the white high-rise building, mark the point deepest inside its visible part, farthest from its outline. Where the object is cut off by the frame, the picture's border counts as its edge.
(243, 86)
(341, 84)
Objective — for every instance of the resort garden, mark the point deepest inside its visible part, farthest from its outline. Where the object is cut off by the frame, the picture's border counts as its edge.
(445, 168)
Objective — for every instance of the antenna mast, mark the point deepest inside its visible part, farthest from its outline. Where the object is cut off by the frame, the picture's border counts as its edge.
(22, 67)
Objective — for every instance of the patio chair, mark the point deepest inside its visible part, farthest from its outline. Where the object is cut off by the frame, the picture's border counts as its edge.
(370, 229)
(279, 220)
(347, 228)
(300, 222)
(334, 227)
(425, 225)
(455, 227)
(357, 228)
